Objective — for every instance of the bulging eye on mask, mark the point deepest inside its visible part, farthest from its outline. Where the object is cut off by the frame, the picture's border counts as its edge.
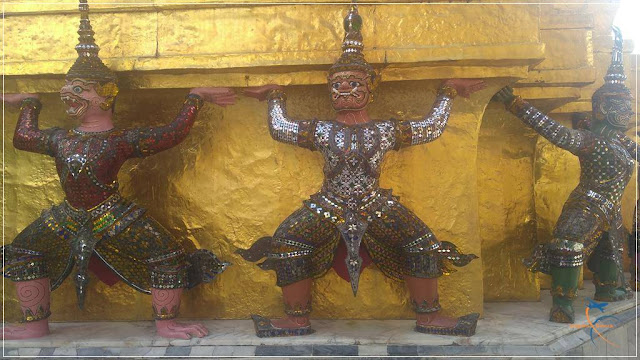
(81, 95)
(350, 90)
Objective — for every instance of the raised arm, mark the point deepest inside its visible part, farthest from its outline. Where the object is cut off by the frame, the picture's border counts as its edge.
(281, 126)
(27, 135)
(412, 132)
(574, 141)
(152, 140)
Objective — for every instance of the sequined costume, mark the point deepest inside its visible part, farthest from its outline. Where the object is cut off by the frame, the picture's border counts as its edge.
(95, 225)
(590, 225)
(635, 232)
(594, 205)
(632, 249)
(351, 205)
(95, 219)
(607, 158)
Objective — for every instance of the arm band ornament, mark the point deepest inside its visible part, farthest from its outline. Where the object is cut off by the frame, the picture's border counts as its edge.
(449, 91)
(284, 129)
(33, 102)
(572, 140)
(195, 100)
(432, 126)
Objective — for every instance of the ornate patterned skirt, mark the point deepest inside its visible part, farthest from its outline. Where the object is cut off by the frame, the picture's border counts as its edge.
(131, 243)
(398, 242)
(589, 226)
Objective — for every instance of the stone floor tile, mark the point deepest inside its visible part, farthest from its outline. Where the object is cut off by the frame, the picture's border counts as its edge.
(372, 350)
(178, 351)
(97, 351)
(136, 351)
(29, 351)
(234, 351)
(65, 352)
(202, 350)
(7, 351)
(402, 350)
(46, 351)
(281, 350)
(335, 350)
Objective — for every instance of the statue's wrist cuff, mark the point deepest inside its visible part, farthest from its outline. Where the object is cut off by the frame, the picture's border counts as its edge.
(448, 91)
(515, 104)
(31, 102)
(276, 94)
(195, 100)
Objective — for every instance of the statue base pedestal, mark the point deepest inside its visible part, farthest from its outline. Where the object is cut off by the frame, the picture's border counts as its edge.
(508, 328)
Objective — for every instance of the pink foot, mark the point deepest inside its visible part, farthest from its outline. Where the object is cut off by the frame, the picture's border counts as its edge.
(436, 320)
(291, 322)
(30, 330)
(175, 330)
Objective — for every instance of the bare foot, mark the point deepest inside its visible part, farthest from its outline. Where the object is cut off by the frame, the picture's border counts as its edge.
(30, 330)
(175, 330)
(291, 322)
(435, 319)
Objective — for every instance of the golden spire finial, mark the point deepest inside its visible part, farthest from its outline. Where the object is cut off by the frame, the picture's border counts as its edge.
(352, 57)
(88, 65)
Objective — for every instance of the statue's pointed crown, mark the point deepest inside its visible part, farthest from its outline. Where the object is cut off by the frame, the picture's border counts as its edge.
(615, 77)
(88, 65)
(352, 57)
(615, 73)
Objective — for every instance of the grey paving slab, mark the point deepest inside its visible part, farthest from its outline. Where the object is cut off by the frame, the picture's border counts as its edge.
(234, 350)
(46, 351)
(97, 351)
(178, 351)
(335, 350)
(402, 350)
(7, 351)
(202, 350)
(29, 351)
(282, 350)
(372, 350)
(65, 352)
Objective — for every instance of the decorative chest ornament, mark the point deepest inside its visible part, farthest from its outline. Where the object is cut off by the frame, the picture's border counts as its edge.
(95, 227)
(351, 212)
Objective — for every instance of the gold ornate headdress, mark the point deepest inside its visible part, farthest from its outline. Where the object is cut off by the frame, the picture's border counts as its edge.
(614, 88)
(615, 77)
(88, 65)
(352, 57)
(615, 73)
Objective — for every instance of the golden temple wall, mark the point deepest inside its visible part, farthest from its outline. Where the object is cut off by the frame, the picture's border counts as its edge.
(229, 183)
